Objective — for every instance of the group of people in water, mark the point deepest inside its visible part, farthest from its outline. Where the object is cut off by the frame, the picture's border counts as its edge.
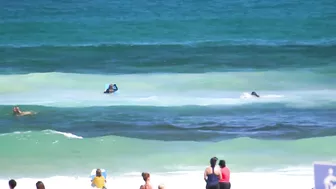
(16, 110)
(113, 88)
(215, 178)
(12, 184)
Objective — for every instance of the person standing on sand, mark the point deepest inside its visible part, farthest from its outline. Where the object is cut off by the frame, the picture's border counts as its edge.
(212, 175)
(18, 112)
(146, 178)
(12, 184)
(40, 185)
(224, 182)
(99, 181)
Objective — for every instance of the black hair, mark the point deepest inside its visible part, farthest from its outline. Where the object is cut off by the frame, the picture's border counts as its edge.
(222, 163)
(98, 173)
(39, 183)
(12, 183)
(213, 161)
(145, 176)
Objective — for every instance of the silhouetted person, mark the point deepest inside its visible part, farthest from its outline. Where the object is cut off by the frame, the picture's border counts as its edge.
(12, 184)
(40, 185)
(255, 94)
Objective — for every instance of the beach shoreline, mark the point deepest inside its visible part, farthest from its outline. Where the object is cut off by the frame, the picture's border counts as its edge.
(261, 180)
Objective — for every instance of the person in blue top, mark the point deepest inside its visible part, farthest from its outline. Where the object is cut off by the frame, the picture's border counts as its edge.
(111, 89)
(212, 175)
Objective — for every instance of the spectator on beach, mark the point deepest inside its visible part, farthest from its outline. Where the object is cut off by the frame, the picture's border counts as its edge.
(99, 181)
(146, 178)
(224, 182)
(12, 184)
(212, 175)
(40, 185)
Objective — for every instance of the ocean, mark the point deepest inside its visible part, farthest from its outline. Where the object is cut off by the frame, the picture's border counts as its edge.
(184, 71)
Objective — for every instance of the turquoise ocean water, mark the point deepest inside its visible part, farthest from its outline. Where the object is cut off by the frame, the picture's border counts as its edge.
(184, 71)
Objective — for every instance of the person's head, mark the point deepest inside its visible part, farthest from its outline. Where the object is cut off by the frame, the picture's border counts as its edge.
(213, 161)
(40, 185)
(98, 173)
(16, 110)
(222, 163)
(12, 184)
(161, 186)
(145, 176)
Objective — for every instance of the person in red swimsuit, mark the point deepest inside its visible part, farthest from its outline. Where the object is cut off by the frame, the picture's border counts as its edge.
(224, 182)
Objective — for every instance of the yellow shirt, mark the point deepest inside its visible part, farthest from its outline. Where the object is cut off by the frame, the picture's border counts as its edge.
(99, 182)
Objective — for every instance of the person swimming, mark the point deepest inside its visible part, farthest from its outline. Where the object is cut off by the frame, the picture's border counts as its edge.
(111, 89)
(18, 112)
(255, 94)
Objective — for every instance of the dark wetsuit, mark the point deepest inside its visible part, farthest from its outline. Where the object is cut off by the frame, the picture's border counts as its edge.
(255, 94)
(115, 88)
(213, 180)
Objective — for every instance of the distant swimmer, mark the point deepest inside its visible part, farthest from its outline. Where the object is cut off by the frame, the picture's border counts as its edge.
(111, 88)
(18, 112)
(255, 94)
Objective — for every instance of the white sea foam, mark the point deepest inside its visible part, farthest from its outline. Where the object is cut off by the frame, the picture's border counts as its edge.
(84, 90)
(27, 133)
(68, 135)
(15, 133)
(247, 95)
(203, 42)
(88, 99)
(261, 180)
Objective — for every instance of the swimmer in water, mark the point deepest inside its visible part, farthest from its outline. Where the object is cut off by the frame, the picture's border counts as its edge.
(18, 112)
(111, 89)
(255, 94)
